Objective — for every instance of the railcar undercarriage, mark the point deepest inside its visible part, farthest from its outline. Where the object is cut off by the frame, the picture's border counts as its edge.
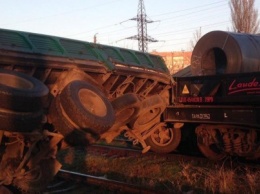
(219, 141)
(28, 160)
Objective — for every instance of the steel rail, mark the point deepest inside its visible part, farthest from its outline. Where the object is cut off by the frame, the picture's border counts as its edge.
(105, 183)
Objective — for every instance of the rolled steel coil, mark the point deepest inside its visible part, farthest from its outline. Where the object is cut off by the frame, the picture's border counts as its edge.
(220, 52)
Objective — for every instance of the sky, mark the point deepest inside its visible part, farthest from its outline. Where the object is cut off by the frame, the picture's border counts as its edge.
(173, 22)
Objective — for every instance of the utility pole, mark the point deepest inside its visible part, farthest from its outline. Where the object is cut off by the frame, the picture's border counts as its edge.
(95, 38)
(142, 36)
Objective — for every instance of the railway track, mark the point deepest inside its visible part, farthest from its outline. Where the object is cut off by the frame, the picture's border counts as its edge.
(74, 182)
(70, 182)
(125, 147)
(59, 185)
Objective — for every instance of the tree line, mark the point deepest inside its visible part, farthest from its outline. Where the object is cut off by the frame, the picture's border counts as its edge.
(244, 19)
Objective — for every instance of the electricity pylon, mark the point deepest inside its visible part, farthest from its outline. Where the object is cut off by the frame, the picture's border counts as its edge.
(142, 36)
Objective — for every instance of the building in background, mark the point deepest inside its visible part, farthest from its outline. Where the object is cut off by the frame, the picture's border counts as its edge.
(175, 61)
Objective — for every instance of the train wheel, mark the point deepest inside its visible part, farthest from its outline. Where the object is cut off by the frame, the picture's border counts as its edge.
(126, 108)
(87, 107)
(20, 92)
(207, 143)
(211, 152)
(150, 111)
(164, 139)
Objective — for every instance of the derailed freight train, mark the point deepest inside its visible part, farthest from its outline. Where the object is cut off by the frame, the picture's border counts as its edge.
(218, 95)
(55, 90)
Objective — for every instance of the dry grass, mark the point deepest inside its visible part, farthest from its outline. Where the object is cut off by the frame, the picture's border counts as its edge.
(222, 179)
(172, 177)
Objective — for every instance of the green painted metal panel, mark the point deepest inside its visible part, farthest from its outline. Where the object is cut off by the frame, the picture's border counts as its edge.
(75, 49)
(78, 49)
(14, 41)
(46, 44)
(129, 56)
(113, 53)
(159, 63)
(144, 60)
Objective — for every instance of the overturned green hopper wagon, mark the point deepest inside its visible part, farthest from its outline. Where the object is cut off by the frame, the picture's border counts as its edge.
(55, 90)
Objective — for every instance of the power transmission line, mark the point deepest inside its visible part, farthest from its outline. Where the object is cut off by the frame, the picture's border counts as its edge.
(201, 9)
(142, 36)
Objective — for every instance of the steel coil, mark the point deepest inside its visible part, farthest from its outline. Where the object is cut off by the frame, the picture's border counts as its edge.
(220, 52)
